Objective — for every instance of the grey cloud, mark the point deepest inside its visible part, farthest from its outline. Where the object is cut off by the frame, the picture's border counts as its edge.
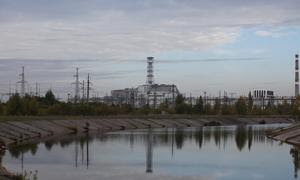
(211, 60)
(63, 34)
(116, 29)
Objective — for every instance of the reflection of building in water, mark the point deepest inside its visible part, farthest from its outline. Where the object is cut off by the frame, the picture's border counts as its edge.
(296, 159)
(149, 156)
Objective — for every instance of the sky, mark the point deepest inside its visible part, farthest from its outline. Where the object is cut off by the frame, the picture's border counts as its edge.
(199, 45)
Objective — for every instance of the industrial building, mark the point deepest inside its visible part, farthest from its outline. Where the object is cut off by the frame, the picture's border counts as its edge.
(266, 94)
(263, 97)
(124, 96)
(148, 94)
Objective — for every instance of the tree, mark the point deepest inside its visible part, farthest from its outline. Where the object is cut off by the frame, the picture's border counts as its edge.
(241, 106)
(180, 106)
(217, 106)
(250, 103)
(179, 99)
(199, 108)
(1, 109)
(32, 107)
(296, 106)
(284, 108)
(226, 109)
(207, 109)
(14, 105)
(50, 98)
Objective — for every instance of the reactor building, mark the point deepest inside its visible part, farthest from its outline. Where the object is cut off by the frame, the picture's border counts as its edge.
(150, 93)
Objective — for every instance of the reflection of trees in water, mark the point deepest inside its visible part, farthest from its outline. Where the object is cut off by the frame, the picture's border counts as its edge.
(179, 138)
(225, 135)
(69, 140)
(241, 137)
(17, 151)
(250, 137)
(295, 152)
(217, 136)
(206, 136)
(1, 155)
(199, 137)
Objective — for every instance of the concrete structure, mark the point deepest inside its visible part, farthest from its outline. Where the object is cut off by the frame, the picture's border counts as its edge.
(124, 96)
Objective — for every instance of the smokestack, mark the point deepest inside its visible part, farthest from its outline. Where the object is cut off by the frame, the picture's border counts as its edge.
(150, 61)
(296, 75)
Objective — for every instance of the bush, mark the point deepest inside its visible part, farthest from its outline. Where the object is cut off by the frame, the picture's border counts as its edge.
(31, 107)
(15, 105)
(241, 106)
(1, 109)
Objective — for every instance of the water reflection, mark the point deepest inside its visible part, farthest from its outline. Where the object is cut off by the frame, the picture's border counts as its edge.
(218, 139)
(149, 154)
(295, 152)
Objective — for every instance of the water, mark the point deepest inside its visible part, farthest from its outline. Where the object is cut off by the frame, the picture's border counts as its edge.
(226, 153)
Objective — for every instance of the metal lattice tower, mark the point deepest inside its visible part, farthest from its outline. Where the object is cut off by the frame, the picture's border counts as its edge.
(88, 88)
(150, 76)
(22, 82)
(77, 83)
(296, 75)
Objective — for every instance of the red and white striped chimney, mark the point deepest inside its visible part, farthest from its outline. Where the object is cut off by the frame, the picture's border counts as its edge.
(296, 75)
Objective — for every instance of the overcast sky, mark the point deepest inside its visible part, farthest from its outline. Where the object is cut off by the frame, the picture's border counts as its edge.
(199, 45)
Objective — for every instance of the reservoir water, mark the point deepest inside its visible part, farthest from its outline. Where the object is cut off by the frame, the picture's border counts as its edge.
(221, 153)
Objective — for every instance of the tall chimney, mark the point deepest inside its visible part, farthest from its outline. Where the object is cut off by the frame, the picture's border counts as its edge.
(150, 61)
(296, 75)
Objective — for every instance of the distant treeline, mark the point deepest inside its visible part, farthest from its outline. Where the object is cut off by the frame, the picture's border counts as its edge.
(49, 105)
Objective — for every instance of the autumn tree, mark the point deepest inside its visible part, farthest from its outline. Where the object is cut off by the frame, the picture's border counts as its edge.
(241, 106)
(14, 105)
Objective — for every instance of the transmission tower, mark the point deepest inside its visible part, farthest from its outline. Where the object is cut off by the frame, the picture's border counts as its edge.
(22, 82)
(83, 90)
(77, 84)
(36, 89)
(88, 88)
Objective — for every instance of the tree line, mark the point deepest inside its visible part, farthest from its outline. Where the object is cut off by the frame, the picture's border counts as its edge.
(49, 105)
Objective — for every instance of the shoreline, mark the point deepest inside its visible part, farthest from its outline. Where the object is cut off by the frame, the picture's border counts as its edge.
(23, 129)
